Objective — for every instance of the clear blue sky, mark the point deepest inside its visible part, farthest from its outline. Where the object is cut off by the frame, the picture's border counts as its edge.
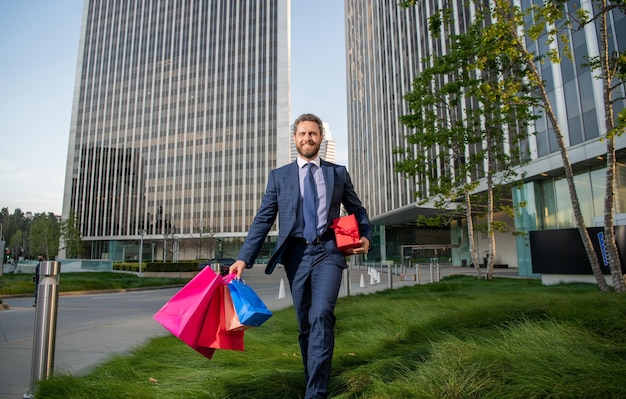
(39, 46)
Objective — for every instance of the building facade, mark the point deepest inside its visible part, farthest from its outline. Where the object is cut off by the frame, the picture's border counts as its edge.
(179, 110)
(386, 45)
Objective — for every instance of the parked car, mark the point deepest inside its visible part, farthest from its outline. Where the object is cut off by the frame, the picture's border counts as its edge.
(224, 264)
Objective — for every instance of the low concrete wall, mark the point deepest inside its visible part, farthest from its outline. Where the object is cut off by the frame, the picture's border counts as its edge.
(67, 265)
(555, 279)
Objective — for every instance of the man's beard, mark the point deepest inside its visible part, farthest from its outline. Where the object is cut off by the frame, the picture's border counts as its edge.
(310, 153)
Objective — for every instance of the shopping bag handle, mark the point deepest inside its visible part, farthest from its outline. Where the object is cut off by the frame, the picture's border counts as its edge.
(232, 276)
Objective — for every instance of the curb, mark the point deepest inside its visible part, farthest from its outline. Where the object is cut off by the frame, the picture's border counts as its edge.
(105, 291)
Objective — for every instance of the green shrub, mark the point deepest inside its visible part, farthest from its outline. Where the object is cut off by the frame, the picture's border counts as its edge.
(172, 267)
(128, 266)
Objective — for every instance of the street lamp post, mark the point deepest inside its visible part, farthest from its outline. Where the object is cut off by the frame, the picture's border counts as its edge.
(142, 232)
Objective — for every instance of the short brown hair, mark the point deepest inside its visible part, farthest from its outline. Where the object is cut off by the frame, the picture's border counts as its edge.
(308, 118)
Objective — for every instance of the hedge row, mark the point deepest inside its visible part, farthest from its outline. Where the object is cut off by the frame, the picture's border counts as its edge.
(133, 267)
(172, 267)
(158, 266)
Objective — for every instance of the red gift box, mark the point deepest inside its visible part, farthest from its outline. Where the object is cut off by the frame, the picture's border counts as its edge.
(346, 233)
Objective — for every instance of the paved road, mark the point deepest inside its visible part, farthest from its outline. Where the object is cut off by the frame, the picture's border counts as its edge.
(92, 327)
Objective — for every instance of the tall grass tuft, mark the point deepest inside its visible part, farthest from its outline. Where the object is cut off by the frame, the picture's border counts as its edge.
(460, 338)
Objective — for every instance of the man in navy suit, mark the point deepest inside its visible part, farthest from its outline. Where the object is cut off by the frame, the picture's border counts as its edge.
(313, 265)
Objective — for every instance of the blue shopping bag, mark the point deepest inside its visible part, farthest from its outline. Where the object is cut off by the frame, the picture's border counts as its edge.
(250, 308)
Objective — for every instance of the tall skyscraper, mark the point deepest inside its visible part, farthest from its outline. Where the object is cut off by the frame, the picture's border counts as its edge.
(382, 52)
(179, 109)
(384, 43)
(386, 47)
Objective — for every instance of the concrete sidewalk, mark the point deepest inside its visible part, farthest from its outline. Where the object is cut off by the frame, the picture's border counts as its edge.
(91, 327)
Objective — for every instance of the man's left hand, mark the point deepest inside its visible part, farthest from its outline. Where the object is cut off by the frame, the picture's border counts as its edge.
(237, 268)
(363, 249)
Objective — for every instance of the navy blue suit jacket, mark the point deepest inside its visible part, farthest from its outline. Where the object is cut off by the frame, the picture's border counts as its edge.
(282, 197)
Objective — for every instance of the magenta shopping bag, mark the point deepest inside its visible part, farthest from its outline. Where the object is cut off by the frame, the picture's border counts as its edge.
(184, 314)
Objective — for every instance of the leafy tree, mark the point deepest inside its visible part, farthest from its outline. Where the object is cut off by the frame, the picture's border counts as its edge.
(11, 223)
(4, 219)
(17, 243)
(552, 22)
(44, 235)
(610, 67)
(15, 229)
(71, 235)
(471, 107)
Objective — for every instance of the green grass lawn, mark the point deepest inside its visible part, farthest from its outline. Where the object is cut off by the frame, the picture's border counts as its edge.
(460, 338)
(21, 283)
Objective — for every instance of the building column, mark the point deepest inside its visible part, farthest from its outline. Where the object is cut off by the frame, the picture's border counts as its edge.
(383, 244)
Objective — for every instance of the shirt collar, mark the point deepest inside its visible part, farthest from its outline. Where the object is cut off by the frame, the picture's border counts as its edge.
(302, 162)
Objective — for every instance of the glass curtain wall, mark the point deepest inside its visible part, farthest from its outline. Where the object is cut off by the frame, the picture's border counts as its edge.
(546, 204)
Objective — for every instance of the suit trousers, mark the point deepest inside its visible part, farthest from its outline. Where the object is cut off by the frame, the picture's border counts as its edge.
(314, 281)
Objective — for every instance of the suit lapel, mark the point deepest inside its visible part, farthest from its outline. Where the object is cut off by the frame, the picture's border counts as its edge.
(293, 185)
(329, 181)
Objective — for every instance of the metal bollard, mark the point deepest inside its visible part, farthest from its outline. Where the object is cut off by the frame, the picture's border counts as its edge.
(432, 278)
(417, 273)
(45, 324)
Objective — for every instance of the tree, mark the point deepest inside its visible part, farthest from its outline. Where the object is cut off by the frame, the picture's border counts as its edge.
(44, 235)
(552, 21)
(71, 235)
(4, 219)
(610, 67)
(471, 107)
(205, 239)
(11, 223)
(17, 244)
(15, 229)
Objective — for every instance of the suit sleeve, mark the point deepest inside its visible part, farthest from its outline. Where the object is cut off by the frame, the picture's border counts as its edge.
(352, 203)
(262, 223)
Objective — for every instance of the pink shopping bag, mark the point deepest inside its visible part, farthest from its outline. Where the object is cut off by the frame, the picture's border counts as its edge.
(215, 333)
(184, 314)
(232, 320)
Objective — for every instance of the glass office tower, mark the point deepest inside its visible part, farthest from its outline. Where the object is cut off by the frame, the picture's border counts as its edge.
(386, 45)
(179, 107)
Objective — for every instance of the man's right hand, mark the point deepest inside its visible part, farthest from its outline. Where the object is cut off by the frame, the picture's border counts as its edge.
(237, 268)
